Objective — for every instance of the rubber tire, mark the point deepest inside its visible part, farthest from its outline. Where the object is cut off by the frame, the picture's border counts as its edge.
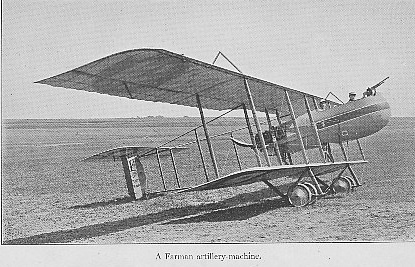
(299, 195)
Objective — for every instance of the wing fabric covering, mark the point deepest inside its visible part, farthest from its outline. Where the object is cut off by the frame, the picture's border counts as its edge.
(257, 174)
(161, 76)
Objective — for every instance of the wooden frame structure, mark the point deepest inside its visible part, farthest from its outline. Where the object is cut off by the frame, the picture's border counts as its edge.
(185, 81)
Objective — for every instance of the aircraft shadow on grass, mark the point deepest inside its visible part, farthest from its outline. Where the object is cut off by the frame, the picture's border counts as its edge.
(117, 201)
(230, 209)
(235, 213)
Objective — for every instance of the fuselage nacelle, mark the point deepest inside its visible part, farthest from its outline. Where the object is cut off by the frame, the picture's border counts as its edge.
(350, 121)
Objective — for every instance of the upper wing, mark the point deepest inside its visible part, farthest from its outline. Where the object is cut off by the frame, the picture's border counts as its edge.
(258, 174)
(161, 76)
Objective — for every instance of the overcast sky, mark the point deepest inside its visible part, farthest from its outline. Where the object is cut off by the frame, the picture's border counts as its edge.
(312, 46)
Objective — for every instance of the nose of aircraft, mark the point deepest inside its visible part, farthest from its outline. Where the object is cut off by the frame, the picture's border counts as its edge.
(374, 113)
(385, 115)
(378, 118)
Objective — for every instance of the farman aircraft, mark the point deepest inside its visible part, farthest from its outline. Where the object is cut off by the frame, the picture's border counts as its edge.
(284, 128)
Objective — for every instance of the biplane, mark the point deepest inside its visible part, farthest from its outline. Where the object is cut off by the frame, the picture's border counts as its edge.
(283, 127)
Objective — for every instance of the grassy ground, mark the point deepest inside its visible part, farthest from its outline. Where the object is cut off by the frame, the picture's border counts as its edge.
(50, 196)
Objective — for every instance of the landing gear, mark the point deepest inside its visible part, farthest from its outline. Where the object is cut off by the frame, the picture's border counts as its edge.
(299, 195)
(313, 191)
(303, 193)
(309, 187)
(352, 182)
(341, 184)
(344, 184)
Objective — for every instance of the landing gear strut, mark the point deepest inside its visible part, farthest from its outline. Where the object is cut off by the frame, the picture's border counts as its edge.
(304, 192)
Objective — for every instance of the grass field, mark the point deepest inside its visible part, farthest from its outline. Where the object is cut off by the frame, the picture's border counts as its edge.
(50, 196)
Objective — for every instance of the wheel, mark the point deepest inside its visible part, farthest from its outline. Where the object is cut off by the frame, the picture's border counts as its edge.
(299, 195)
(352, 182)
(313, 191)
(311, 187)
(341, 185)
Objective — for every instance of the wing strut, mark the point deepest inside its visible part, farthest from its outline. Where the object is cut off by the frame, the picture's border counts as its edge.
(315, 103)
(201, 155)
(348, 166)
(212, 155)
(236, 153)
(274, 141)
(300, 139)
(253, 109)
(251, 134)
(360, 149)
(160, 168)
(313, 124)
(174, 168)
(256, 121)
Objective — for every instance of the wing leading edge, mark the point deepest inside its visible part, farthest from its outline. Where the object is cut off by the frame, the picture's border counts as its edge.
(161, 76)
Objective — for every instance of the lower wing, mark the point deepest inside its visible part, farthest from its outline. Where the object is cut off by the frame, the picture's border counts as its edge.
(258, 174)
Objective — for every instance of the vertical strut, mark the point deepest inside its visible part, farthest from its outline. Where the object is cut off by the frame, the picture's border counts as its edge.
(286, 154)
(343, 150)
(315, 103)
(236, 153)
(277, 114)
(328, 153)
(348, 166)
(313, 124)
(161, 170)
(212, 155)
(251, 135)
(360, 149)
(354, 175)
(256, 121)
(201, 156)
(313, 177)
(274, 139)
(174, 168)
(300, 139)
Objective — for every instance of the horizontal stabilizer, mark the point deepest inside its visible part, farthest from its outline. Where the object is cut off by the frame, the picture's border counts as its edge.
(130, 151)
(258, 174)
